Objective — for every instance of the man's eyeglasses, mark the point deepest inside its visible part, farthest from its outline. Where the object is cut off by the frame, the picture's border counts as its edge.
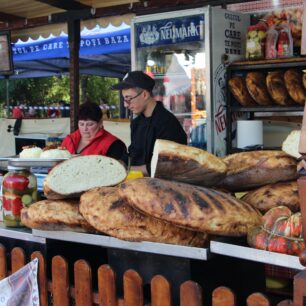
(128, 100)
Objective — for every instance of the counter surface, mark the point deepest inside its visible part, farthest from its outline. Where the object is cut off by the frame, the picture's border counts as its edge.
(223, 246)
(21, 233)
(110, 242)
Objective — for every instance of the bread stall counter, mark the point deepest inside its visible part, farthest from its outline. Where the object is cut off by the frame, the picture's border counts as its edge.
(171, 223)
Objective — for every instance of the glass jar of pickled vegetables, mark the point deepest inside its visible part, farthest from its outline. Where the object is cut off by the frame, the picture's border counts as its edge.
(19, 189)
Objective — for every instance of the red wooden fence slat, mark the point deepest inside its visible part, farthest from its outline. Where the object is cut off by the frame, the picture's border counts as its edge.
(3, 263)
(17, 259)
(107, 286)
(299, 285)
(223, 296)
(191, 294)
(257, 299)
(83, 283)
(285, 303)
(60, 281)
(42, 278)
(160, 291)
(133, 289)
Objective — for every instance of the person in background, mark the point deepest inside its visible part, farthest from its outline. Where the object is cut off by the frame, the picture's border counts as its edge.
(64, 109)
(17, 112)
(91, 138)
(153, 121)
(53, 111)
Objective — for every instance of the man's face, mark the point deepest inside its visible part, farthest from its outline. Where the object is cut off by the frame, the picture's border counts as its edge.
(134, 100)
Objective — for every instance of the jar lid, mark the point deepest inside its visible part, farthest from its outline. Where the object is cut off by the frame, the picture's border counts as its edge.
(16, 168)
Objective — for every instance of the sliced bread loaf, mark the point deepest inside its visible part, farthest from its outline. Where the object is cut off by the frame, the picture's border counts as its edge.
(74, 176)
(186, 164)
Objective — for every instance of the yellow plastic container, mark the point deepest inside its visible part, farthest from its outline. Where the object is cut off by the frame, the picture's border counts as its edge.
(133, 174)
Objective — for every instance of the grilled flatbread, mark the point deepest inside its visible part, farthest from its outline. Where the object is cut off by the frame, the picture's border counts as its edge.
(272, 195)
(55, 215)
(106, 211)
(193, 207)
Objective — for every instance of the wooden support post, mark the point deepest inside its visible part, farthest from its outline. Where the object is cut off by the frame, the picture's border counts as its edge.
(74, 47)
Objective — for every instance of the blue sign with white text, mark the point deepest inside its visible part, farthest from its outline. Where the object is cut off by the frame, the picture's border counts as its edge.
(170, 31)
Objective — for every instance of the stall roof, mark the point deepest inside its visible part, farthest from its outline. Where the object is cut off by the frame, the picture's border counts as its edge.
(103, 52)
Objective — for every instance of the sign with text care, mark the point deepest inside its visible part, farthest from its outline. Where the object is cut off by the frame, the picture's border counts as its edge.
(170, 31)
(118, 41)
(228, 40)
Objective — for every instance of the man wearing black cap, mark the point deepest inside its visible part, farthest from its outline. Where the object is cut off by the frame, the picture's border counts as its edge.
(153, 121)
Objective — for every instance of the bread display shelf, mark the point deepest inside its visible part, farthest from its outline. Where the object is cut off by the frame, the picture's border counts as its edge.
(223, 246)
(243, 68)
(106, 241)
(268, 109)
(15, 161)
(24, 234)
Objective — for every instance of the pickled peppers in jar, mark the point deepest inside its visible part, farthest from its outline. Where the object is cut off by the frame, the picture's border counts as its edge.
(19, 189)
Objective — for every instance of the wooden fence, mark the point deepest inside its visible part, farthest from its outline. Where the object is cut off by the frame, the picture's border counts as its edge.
(83, 295)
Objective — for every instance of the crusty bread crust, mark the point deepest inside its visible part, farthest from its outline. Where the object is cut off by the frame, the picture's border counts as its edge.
(249, 170)
(186, 164)
(277, 89)
(239, 90)
(294, 85)
(55, 215)
(105, 210)
(193, 207)
(256, 85)
(273, 195)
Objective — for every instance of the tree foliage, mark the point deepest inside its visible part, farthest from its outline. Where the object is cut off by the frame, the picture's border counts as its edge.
(47, 91)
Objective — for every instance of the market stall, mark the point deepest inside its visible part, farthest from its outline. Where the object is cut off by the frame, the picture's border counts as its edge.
(212, 263)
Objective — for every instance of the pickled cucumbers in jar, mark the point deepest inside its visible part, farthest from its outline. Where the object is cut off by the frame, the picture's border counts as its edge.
(19, 188)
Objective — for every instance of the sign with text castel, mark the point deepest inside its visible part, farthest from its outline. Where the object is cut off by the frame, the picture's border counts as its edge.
(170, 31)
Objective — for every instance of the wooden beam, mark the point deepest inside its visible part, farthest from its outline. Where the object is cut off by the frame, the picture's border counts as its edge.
(138, 8)
(10, 18)
(67, 5)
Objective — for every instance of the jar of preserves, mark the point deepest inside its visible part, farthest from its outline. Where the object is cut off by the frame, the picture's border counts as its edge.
(19, 189)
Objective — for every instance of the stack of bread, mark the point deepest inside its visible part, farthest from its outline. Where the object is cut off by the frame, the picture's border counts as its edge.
(276, 87)
(49, 152)
(187, 199)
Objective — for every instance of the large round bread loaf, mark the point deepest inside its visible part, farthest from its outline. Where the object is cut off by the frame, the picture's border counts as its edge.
(273, 195)
(193, 207)
(256, 85)
(55, 215)
(239, 90)
(249, 170)
(277, 89)
(294, 85)
(186, 164)
(76, 175)
(107, 212)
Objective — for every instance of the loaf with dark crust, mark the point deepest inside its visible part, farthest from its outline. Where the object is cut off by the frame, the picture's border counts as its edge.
(107, 212)
(277, 89)
(256, 85)
(55, 215)
(250, 170)
(193, 207)
(186, 164)
(294, 85)
(239, 90)
(273, 195)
